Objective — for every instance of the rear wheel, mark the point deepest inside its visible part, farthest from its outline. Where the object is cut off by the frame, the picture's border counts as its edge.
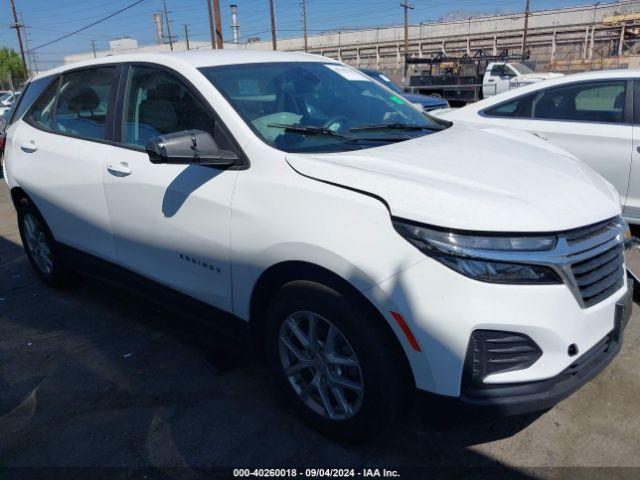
(39, 246)
(334, 362)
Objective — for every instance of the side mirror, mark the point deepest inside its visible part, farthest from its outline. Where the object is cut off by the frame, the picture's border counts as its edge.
(187, 147)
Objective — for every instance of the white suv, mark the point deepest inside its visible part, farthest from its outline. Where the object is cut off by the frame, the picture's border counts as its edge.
(372, 249)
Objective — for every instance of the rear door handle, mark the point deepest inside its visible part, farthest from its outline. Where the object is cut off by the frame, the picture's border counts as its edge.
(119, 169)
(29, 147)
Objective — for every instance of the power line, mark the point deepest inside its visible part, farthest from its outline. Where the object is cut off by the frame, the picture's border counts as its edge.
(88, 26)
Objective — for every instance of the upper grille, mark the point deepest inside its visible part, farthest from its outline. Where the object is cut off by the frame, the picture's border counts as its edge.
(596, 256)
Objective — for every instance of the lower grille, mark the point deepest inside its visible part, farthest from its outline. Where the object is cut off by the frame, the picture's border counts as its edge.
(494, 351)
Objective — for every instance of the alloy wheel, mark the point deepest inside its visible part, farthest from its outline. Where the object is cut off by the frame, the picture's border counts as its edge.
(321, 365)
(37, 243)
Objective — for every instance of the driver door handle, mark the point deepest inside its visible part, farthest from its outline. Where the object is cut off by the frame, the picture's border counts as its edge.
(120, 169)
(29, 147)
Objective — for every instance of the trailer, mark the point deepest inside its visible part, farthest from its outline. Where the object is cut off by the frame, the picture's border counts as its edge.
(462, 80)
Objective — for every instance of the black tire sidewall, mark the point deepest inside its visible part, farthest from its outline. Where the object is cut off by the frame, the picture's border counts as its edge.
(384, 386)
(58, 275)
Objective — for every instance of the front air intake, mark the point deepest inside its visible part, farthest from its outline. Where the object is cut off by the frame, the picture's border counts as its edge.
(493, 351)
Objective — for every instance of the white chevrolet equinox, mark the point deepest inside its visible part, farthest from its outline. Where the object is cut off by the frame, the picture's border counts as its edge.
(373, 250)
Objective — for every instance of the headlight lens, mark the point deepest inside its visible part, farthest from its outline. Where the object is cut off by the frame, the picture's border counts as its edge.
(478, 256)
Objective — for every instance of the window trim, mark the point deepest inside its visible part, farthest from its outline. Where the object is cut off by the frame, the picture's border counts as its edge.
(243, 162)
(628, 107)
(108, 140)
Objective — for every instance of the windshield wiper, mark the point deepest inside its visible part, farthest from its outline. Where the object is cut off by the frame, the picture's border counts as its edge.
(396, 126)
(310, 129)
(313, 130)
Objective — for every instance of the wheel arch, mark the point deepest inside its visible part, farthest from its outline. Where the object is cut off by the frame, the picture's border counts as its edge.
(17, 194)
(280, 274)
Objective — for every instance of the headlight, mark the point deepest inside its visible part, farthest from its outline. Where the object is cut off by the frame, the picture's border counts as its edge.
(479, 256)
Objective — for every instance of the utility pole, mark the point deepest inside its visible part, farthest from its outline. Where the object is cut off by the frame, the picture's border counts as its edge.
(186, 35)
(18, 26)
(31, 55)
(212, 30)
(93, 48)
(304, 23)
(407, 7)
(166, 19)
(526, 26)
(273, 26)
(216, 14)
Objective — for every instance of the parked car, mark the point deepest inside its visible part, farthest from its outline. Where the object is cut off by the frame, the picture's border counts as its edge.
(471, 77)
(590, 115)
(7, 99)
(371, 249)
(501, 77)
(426, 102)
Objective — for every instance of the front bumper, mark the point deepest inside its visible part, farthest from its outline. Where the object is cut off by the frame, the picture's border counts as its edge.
(517, 398)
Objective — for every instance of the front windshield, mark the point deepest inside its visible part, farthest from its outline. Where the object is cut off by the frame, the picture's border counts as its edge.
(318, 107)
(521, 68)
(381, 77)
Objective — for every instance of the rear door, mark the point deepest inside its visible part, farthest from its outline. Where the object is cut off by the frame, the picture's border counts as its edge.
(58, 152)
(592, 120)
(170, 222)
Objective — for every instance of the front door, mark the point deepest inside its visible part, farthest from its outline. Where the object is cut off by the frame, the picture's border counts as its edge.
(170, 222)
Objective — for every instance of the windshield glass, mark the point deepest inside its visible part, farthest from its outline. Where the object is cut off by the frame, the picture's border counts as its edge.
(521, 69)
(318, 107)
(381, 77)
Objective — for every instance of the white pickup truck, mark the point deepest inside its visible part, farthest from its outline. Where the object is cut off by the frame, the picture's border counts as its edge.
(501, 77)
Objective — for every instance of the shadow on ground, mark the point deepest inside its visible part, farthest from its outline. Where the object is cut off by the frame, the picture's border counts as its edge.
(95, 377)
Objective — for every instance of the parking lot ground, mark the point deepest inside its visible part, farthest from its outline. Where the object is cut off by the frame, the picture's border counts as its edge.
(95, 377)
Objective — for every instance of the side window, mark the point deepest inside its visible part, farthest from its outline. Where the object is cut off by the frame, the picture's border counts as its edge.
(587, 102)
(158, 103)
(518, 108)
(83, 102)
(41, 114)
(497, 70)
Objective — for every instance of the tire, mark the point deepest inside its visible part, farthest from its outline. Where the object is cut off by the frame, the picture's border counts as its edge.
(358, 350)
(40, 247)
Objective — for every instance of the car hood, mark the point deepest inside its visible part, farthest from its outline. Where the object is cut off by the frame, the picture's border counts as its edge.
(425, 100)
(473, 178)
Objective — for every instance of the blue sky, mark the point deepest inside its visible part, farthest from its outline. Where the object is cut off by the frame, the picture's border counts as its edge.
(50, 19)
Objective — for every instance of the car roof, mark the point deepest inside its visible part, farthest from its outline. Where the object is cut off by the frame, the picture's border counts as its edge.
(195, 58)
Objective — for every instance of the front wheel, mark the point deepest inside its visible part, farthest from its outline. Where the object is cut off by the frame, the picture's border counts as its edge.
(334, 362)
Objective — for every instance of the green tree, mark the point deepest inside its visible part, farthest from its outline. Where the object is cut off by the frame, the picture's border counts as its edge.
(11, 63)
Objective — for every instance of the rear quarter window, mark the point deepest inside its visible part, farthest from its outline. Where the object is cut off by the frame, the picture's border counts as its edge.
(29, 95)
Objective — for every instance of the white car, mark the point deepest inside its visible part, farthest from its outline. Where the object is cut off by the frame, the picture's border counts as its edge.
(371, 249)
(7, 99)
(590, 115)
(500, 77)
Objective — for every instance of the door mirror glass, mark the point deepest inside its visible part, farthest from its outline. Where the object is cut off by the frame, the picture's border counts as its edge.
(189, 146)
